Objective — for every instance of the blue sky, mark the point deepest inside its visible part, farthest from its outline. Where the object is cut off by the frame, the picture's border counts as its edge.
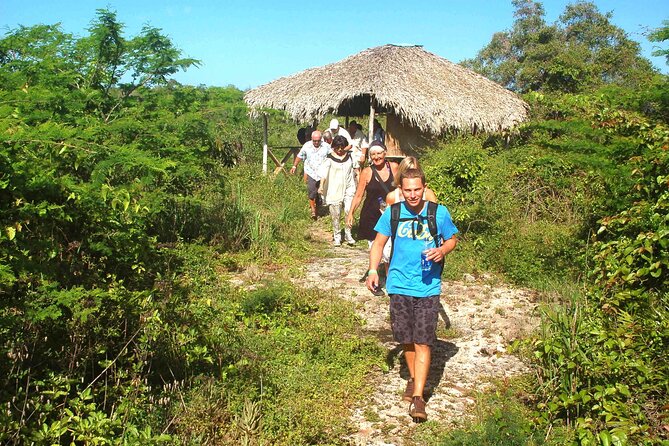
(252, 42)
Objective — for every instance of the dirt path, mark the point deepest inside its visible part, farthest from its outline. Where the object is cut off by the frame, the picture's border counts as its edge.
(484, 319)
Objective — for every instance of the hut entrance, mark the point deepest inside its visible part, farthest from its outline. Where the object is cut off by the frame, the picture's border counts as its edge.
(401, 139)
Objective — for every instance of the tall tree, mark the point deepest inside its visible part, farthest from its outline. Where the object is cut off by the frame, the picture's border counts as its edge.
(105, 47)
(614, 58)
(114, 67)
(661, 34)
(582, 50)
(504, 59)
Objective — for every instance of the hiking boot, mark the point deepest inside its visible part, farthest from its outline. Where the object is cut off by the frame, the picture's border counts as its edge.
(337, 242)
(350, 240)
(417, 409)
(408, 392)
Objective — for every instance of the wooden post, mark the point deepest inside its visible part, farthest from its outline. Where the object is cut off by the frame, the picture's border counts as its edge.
(264, 145)
(371, 128)
(371, 121)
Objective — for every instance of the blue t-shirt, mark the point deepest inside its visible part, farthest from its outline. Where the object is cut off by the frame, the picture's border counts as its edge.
(405, 275)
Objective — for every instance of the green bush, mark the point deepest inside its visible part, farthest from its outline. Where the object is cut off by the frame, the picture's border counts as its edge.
(500, 419)
(603, 367)
(521, 212)
(301, 357)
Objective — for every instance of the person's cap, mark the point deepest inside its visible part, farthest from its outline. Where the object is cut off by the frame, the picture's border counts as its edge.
(334, 124)
(377, 145)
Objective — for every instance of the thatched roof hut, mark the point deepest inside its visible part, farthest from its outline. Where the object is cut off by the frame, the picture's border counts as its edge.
(415, 88)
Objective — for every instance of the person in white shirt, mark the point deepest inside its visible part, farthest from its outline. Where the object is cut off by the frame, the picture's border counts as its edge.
(313, 153)
(336, 129)
(359, 143)
(338, 186)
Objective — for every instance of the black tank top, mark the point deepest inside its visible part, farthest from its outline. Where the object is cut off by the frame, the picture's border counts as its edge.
(370, 212)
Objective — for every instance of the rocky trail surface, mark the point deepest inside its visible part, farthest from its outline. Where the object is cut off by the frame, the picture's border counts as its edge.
(471, 350)
(478, 323)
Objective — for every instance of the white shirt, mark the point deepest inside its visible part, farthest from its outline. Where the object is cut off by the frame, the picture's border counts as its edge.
(359, 143)
(339, 180)
(343, 132)
(313, 158)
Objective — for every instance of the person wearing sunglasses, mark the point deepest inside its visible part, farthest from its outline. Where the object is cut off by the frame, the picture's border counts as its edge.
(375, 181)
(414, 279)
(313, 153)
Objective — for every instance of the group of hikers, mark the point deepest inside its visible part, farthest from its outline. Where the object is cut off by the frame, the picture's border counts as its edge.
(331, 173)
(408, 234)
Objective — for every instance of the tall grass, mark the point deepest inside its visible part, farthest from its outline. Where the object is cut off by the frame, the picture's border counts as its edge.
(297, 359)
(277, 209)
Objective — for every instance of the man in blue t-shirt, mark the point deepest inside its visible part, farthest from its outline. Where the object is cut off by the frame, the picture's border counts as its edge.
(413, 288)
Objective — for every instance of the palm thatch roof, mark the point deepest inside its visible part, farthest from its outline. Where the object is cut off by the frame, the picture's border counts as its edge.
(424, 90)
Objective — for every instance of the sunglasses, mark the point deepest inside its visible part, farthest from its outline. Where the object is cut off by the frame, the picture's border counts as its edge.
(417, 229)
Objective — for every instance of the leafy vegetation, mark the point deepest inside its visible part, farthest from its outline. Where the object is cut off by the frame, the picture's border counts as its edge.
(661, 35)
(500, 419)
(125, 198)
(581, 51)
(121, 207)
(592, 169)
(604, 370)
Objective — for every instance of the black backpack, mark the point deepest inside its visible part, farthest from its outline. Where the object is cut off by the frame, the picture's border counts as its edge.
(395, 220)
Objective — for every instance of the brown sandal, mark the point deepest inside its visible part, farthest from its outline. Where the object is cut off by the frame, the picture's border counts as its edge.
(417, 409)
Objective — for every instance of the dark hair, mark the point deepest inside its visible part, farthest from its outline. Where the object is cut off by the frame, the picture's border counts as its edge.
(301, 135)
(339, 141)
(412, 173)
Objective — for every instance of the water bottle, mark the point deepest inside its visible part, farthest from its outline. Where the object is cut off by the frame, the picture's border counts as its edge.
(425, 264)
(382, 204)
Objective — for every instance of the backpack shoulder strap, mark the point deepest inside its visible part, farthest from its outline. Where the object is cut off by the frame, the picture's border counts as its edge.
(432, 222)
(432, 225)
(394, 218)
(395, 209)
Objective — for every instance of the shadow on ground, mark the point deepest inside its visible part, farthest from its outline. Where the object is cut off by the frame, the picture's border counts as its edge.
(442, 351)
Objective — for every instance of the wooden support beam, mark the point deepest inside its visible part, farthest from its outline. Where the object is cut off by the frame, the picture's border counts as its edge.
(265, 147)
(293, 151)
(278, 163)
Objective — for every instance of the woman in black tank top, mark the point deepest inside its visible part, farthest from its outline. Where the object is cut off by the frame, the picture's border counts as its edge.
(375, 182)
